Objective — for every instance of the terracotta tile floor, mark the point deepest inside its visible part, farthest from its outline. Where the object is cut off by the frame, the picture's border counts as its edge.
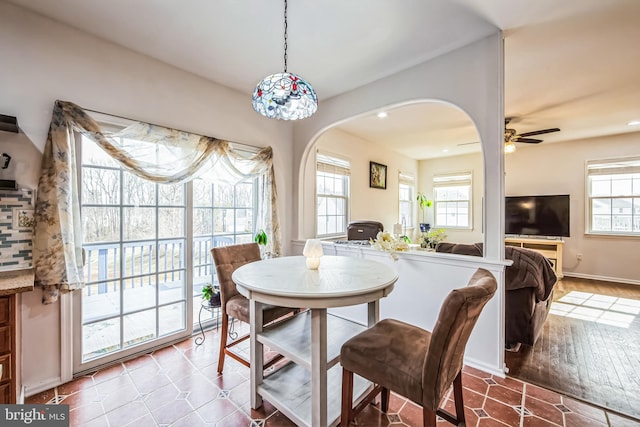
(179, 386)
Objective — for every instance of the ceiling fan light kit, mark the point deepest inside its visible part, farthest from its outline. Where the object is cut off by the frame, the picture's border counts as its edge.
(509, 147)
(285, 96)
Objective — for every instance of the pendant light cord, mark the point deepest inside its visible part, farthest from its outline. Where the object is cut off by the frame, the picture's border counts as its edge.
(285, 36)
(284, 96)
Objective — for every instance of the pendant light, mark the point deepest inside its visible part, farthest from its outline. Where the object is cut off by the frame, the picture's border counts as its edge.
(285, 96)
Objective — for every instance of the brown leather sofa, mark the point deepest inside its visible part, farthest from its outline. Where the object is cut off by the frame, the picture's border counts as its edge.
(529, 284)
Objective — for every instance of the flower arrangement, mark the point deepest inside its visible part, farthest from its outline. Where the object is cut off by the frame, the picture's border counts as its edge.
(388, 242)
(431, 238)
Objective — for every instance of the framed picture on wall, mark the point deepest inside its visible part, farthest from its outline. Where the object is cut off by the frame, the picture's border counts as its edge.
(377, 175)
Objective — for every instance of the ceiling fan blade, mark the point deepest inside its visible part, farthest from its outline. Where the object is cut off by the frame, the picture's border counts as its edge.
(467, 143)
(527, 140)
(538, 132)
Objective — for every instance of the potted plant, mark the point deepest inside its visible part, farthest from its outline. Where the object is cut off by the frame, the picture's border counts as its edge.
(431, 238)
(423, 203)
(262, 240)
(211, 293)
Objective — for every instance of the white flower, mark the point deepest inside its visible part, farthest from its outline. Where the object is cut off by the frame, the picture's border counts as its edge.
(388, 242)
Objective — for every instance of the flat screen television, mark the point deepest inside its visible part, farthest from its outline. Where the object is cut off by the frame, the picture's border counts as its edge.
(546, 216)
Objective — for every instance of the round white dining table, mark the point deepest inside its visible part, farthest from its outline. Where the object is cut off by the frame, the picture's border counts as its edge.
(286, 281)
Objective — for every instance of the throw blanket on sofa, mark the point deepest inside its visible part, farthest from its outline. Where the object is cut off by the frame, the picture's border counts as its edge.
(529, 269)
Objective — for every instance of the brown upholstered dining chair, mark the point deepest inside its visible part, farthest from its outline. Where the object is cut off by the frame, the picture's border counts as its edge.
(227, 259)
(415, 363)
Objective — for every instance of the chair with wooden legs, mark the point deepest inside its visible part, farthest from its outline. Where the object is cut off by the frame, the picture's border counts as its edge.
(227, 259)
(415, 363)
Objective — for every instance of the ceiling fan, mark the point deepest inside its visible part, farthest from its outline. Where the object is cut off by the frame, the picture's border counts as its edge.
(510, 135)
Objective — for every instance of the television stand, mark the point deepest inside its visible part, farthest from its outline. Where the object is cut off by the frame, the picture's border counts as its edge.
(549, 248)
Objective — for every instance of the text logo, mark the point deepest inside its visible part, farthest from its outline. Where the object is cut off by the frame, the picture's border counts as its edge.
(34, 415)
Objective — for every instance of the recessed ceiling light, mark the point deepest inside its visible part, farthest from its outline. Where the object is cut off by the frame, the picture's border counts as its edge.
(382, 115)
(445, 150)
(634, 123)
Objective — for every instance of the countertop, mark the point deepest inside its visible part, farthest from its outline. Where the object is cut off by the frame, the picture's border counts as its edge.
(15, 281)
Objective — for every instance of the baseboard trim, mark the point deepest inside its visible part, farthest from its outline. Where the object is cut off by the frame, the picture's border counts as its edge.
(603, 278)
(30, 390)
(484, 367)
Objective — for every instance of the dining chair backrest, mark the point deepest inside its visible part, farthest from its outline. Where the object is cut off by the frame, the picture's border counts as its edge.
(457, 317)
(227, 259)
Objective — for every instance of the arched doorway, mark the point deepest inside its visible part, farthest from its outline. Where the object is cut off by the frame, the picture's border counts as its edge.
(415, 142)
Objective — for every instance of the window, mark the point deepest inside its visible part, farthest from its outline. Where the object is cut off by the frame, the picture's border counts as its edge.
(138, 236)
(452, 200)
(613, 189)
(332, 192)
(406, 196)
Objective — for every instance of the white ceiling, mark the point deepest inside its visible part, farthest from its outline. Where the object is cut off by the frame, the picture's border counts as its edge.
(569, 64)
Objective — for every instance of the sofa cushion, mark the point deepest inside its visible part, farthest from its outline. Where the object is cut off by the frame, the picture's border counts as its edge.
(530, 269)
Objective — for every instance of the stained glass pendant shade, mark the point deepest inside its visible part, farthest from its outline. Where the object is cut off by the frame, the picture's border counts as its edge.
(285, 96)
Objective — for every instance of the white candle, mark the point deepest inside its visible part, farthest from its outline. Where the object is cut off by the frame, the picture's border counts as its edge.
(313, 251)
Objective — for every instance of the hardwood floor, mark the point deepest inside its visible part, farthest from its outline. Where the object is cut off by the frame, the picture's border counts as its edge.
(590, 345)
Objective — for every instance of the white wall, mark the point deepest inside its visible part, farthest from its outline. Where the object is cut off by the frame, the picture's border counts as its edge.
(24, 167)
(467, 163)
(424, 281)
(556, 169)
(365, 203)
(560, 169)
(470, 78)
(43, 61)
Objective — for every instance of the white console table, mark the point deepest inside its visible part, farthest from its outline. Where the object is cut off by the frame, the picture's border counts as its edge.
(308, 389)
(551, 249)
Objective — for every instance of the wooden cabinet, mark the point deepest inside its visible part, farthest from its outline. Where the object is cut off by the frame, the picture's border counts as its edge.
(551, 249)
(8, 355)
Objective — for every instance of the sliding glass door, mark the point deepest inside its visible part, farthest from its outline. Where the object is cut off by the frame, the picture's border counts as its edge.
(135, 271)
(147, 255)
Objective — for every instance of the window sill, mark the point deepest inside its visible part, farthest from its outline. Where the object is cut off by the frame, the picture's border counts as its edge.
(328, 237)
(452, 228)
(611, 235)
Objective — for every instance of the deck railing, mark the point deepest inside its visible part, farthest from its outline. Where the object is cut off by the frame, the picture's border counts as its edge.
(137, 261)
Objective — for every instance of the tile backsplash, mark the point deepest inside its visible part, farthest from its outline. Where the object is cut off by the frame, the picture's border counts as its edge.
(16, 229)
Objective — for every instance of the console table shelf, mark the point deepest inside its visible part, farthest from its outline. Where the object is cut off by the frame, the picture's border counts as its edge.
(292, 338)
(290, 388)
(551, 249)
